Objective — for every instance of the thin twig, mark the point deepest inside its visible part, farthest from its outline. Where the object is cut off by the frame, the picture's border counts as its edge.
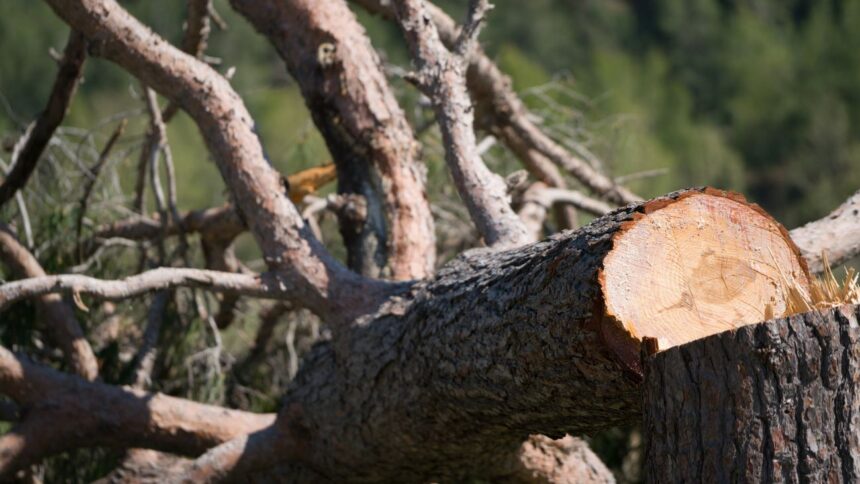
(91, 183)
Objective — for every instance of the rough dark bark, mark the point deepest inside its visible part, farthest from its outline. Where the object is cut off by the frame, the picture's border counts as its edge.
(455, 374)
(772, 402)
(328, 53)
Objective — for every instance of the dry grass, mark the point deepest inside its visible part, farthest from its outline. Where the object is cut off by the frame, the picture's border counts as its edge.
(825, 291)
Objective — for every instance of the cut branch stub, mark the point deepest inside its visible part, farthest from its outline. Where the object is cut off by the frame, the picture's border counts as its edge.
(703, 263)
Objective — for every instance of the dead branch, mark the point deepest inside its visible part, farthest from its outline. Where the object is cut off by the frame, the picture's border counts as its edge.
(58, 316)
(91, 183)
(502, 112)
(377, 157)
(268, 285)
(39, 135)
(837, 235)
(303, 264)
(63, 412)
(441, 76)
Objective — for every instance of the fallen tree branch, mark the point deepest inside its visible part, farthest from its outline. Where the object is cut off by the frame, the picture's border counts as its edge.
(329, 55)
(302, 263)
(502, 112)
(63, 412)
(441, 76)
(837, 235)
(267, 285)
(60, 319)
(37, 137)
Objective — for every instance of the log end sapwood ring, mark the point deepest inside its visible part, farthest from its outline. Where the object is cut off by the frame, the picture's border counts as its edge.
(693, 264)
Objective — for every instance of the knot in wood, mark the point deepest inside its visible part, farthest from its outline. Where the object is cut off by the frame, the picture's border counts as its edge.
(326, 54)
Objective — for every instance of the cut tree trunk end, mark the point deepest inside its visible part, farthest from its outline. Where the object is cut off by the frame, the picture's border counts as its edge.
(691, 265)
(772, 402)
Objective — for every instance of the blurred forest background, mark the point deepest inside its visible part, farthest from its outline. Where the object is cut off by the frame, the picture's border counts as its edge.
(757, 96)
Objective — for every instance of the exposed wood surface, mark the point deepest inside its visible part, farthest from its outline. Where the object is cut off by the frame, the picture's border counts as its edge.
(771, 402)
(698, 266)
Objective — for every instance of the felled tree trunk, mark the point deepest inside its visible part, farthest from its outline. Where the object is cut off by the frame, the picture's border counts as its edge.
(772, 402)
(544, 339)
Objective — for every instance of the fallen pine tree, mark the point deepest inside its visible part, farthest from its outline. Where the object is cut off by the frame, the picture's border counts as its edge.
(451, 375)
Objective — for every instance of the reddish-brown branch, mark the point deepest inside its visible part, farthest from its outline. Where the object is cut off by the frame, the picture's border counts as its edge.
(59, 317)
(328, 53)
(38, 137)
(322, 283)
(63, 412)
(441, 77)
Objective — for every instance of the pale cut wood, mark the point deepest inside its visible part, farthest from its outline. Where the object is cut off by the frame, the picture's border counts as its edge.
(699, 266)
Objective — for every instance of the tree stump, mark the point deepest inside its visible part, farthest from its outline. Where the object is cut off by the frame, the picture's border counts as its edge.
(770, 402)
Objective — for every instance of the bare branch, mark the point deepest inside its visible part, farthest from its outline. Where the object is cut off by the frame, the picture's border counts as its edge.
(837, 234)
(194, 41)
(266, 285)
(366, 131)
(38, 137)
(505, 113)
(441, 77)
(318, 279)
(60, 318)
(64, 412)
(91, 183)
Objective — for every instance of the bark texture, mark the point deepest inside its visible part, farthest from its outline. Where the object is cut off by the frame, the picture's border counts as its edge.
(772, 402)
(443, 381)
(329, 54)
(442, 77)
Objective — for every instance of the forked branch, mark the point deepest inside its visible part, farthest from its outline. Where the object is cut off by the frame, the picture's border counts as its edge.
(441, 76)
